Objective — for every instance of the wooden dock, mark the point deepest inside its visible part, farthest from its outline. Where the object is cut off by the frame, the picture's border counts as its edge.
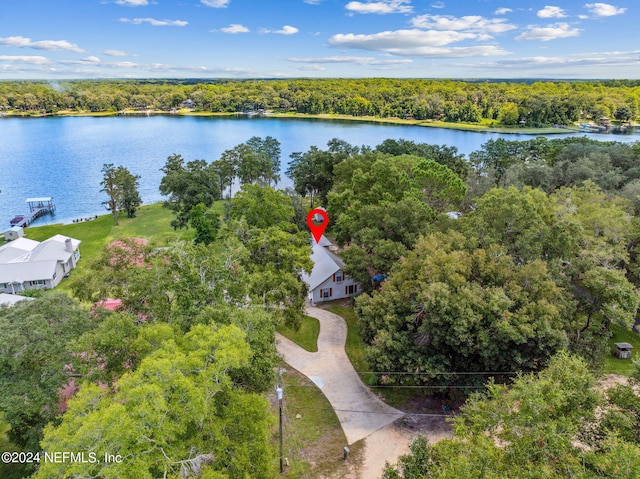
(37, 207)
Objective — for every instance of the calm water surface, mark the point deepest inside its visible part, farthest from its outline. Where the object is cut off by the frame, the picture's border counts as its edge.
(62, 157)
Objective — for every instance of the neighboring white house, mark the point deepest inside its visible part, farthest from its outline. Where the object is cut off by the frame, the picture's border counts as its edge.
(327, 281)
(27, 264)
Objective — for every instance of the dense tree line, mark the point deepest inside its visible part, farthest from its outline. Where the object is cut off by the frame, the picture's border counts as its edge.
(539, 261)
(542, 257)
(198, 182)
(174, 381)
(506, 103)
(551, 425)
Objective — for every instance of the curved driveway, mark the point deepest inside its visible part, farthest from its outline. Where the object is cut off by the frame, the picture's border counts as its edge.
(360, 412)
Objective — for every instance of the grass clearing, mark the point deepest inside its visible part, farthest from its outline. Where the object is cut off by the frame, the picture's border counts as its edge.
(152, 222)
(306, 337)
(313, 442)
(614, 365)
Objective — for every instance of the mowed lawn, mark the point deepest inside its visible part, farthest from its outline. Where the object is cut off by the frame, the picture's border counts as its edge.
(152, 222)
(614, 365)
(306, 336)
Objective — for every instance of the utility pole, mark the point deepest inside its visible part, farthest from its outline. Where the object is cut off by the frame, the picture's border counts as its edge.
(280, 395)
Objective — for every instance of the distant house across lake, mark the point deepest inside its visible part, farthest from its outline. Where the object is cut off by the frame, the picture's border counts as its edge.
(26, 264)
(327, 280)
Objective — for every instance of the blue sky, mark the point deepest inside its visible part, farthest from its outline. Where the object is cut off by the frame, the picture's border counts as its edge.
(55, 39)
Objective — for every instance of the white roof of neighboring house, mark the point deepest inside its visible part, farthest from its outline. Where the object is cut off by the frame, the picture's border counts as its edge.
(11, 299)
(16, 249)
(22, 272)
(325, 264)
(27, 260)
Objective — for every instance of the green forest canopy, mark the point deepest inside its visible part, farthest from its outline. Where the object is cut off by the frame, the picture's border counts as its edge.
(540, 103)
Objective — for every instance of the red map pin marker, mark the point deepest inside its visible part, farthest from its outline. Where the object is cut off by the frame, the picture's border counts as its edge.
(317, 230)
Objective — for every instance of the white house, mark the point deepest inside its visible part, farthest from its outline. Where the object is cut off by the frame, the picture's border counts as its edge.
(327, 280)
(27, 264)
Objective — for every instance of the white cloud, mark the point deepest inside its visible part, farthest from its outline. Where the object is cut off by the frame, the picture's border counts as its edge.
(471, 23)
(610, 59)
(551, 12)
(347, 59)
(235, 28)
(133, 3)
(381, 7)
(438, 5)
(312, 2)
(24, 42)
(502, 11)
(215, 3)
(286, 30)
(116, 53)
(96, 62)
(415, 42)
(604, 9)
(550, 32)
(398, 39)
(312, 68)
(154, 22)
(31, 60)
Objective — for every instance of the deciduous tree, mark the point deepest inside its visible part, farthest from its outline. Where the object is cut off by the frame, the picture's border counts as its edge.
(121, 186)
(35, 351)
(176, 415)
(448, 307)
(188, 185)
(543, 426)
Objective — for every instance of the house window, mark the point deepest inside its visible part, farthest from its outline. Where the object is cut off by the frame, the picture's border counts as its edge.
(351, 289)
(326, 292)
(37, 282)
(3, 285)
(338, 277)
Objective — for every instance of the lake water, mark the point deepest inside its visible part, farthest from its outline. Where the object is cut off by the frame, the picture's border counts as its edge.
(62, 157)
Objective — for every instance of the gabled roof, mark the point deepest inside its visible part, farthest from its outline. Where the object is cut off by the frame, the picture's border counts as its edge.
(54, 248)
(325, 264)
(28, 271)
(27, 260)
(16, 249)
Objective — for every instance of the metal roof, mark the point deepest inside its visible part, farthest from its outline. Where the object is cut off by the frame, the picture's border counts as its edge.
(39, 200)
(27, 260)
(325, 263)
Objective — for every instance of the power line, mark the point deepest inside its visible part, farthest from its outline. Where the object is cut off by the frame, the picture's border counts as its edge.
(461, 373)
(369, 412)
(400, 386)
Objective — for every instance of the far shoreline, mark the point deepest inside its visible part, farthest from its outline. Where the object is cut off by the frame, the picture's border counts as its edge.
(471, 127)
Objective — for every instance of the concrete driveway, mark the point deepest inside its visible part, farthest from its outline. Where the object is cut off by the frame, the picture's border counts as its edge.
(360, 412)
